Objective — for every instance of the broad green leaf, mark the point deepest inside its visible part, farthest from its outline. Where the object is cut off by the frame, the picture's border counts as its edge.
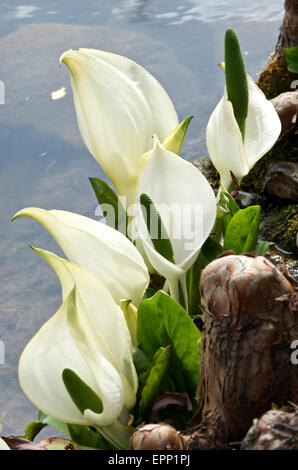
(154, 380)
(177, 379)
(140, 360)
(211, 250)
(192, 283)
(292, 59)
(242, 232)
(113, 211)
(81, 394)
(87, 437)
(159, 312)
(32, 429)
(54, 423)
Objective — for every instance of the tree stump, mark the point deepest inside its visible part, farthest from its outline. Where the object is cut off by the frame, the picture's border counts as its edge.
(250, 322)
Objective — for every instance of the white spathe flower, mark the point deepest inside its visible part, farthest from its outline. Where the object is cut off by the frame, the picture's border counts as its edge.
(88, 335)
(225, 145)
(119, 106)
(3, 445)
(98, 248)
(186, 203)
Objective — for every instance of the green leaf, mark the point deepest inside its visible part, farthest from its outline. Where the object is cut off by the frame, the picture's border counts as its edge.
(174, 140)
(262, 247)
(140, 360)
(211, 250)
(159, 312)
(149, 293)
(112, 209)
(242, 232)
(81, 394)
(175, 364)
(292, 59)
(87, 437)
(153, 221)
(236, 79)
(32, 429)
(229, 204)
(154, 380)
(192, 283)
(54, 423)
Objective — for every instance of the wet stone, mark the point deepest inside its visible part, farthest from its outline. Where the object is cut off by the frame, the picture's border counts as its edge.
(246, 199)
(282, 180)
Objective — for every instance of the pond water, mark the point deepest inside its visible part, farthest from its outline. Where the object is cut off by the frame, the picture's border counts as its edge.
(43, 160)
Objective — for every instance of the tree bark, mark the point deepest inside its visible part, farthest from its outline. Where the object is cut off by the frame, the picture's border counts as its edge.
(275, 78)
(250, 322)
(288, 36)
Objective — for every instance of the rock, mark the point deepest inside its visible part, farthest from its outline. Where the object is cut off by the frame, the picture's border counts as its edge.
(283, 260)
(282, 180)
(279, 224)
(275, 430)
(286, 105)
(246, 199)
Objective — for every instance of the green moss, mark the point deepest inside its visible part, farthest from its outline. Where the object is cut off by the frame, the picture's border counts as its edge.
(276, 79)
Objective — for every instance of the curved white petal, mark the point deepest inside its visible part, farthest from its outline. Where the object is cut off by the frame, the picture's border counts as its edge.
(3, 445)
(263, 125)
(225, 144)
(119, 105)
(103, 320)
(186, 204)
(98, 248)
(164, 116)
(42, 362)
(224, 140)
(109, 386)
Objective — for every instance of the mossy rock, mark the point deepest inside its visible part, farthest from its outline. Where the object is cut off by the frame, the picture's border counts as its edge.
(279, 224)
(276, 79)
(285, 150)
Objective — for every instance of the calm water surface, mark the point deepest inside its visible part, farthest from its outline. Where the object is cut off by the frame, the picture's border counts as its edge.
(43, 160)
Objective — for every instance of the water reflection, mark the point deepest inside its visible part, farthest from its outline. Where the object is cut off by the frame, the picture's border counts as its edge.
(25, 11)
(175, 12)
(43, 160)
